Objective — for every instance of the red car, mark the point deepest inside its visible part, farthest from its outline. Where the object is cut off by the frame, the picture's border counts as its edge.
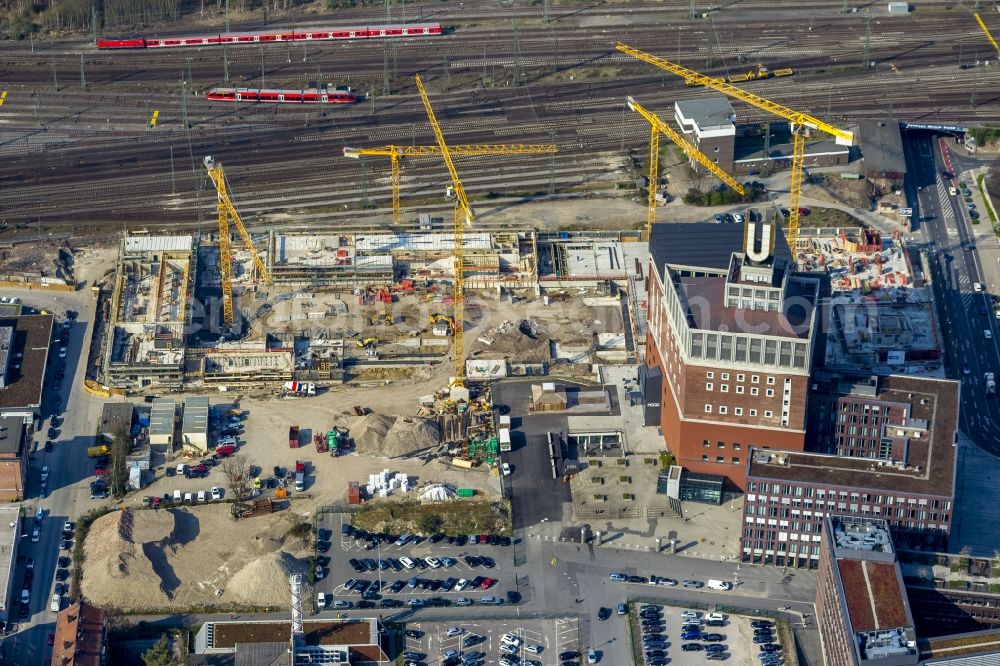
(99, 471)
(225, 450)
(487, 583)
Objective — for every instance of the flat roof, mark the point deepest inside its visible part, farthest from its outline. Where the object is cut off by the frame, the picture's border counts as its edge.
(956, 645)
(26, 369)
(711, 290)
(319, 632)
(705, 112)
(783, 151)
(11, 434)
(881, 146)
(116, 416)
(874, 595)
(9, 516)
(195, 418)
(161, 416)
(703, 246)
(929, 470)
(138, 244)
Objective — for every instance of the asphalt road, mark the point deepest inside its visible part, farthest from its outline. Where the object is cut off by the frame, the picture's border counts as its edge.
(68, 493)
(965, 315)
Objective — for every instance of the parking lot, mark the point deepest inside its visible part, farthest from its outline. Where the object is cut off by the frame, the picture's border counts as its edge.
(538, 642)
(431, 585)
(730, 641)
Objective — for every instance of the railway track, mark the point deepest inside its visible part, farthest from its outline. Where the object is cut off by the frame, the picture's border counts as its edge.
(87, 155)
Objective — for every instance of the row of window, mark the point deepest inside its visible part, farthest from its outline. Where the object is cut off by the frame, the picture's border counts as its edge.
(737, 411)
(721, 445)
(721, 460)
(865, 510)
(740, 377)
(724, 388)
(765, 487)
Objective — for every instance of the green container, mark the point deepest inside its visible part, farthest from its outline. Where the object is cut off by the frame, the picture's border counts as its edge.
(466, 492)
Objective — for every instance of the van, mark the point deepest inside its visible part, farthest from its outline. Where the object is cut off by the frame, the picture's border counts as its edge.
(738, 218)
(406, 562)
(618, 577)
(719, 585)
(491, 601)
(56, 603)
(403, 540)
(177, 496)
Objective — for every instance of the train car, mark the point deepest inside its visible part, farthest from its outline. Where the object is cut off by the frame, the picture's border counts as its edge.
(280, 96)
(305, 34)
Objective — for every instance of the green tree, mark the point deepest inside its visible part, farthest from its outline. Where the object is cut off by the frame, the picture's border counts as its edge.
(159, 654)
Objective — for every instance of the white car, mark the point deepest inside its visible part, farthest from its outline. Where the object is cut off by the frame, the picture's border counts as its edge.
(45, 473)
(342, 603)
(510, 639)
(35, 535)
(321, 599)
(62, 352)
(460, 585)
(988, 334)
(952, 191)
(737, 218)
(533, 649)
(202, 496)
(977, 286)
(433, 562)
(690, 614)
(406, 562)
(716, 617)
(216, 493)
(188, 498)
(454, 631)
(56, 603)
(505, 468)
(67, 526)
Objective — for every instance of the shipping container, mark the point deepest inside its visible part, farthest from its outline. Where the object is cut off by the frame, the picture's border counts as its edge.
(466, 492)
(354, 493)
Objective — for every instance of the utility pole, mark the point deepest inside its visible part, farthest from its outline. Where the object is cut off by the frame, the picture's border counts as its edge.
(83, 77)
(184, 106)
(190, 79)
(975, 87)
(225, 63)
(518, 75)
(385, 50)
(227, 17)
(552, 166)
(868, 39)
(711, 42)
(93, 21)
(55, 79)
(261, 66)
(173, 178)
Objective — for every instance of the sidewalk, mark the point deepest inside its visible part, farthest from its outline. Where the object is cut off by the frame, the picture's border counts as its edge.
(987, 242)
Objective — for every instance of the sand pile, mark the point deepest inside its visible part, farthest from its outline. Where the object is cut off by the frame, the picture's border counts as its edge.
(391, 437)
(264, 581)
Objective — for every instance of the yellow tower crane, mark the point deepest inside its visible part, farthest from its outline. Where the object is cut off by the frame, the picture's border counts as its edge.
(226, 211)
(987, 31)
(798, 121)
(396, 152)
(660, 127)
(461, 206)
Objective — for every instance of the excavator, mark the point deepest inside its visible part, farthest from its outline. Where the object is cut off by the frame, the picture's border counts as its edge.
(441, 325)
(366, 342)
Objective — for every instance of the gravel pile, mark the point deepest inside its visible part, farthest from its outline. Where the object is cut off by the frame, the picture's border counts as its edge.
(392, 437)
(116, 568)
(264, 581)
(528, 339)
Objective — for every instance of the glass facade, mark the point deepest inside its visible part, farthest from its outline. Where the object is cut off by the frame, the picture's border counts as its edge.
(703, 488)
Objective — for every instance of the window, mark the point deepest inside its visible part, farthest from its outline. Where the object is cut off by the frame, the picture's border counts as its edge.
(736, 446)
(710, 375)
(708, 386)
(768, 414)
(705, 443)
(725, 376)
(708, 409)
(738, 411)
(704, 458)
(753, 412)
(770, 381)
(720, 459)
(720, 445)
(754, 390)
(770, 393)
(755, 379)
(723, 409)
(739, 389)
(741, 377)
(736, 460)
(724, 388)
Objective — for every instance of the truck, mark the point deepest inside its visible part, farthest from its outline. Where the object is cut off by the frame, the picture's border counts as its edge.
(991, 383)
(300, 388)
(320, 441)
(98, 451)
(300, 476)
(504, 436)
(293, 437)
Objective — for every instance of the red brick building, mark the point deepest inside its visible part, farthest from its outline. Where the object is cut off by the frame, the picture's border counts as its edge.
(80, 637)
(13, 458)
(729, 344)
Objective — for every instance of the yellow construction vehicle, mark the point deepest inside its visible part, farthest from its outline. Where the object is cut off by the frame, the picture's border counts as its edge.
(396, 152)
(798, 121)
(660, 127)
(387, 318)
(759, 72)
(441, 325)
(462, 208)
(440, 319)
(227, 210)
(366, 342)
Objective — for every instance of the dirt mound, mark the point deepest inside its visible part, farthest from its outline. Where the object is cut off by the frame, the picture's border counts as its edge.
(391, 437)
(264, 581)
(116, 565)
(526, 339)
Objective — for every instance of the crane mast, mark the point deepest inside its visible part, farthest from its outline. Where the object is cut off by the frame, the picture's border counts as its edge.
(396, 152)
(798, 121)
(987, 32)
(659, 127)
(227, 210)
(461, 207)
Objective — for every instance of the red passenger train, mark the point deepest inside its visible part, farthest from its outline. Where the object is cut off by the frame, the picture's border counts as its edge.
(307, 96)
(304, 35)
